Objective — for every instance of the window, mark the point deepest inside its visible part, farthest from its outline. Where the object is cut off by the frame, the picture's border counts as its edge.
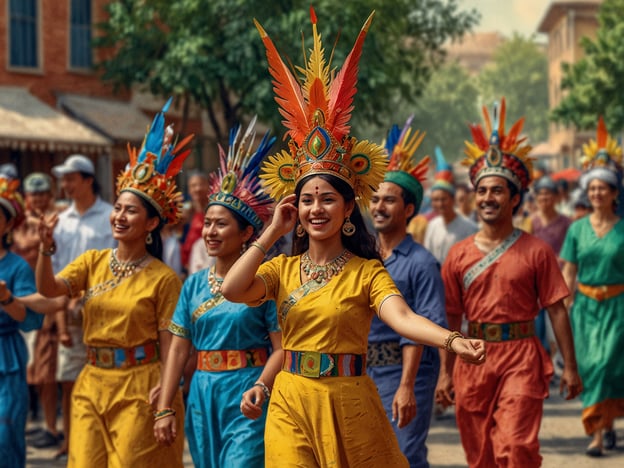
(23, 34)
(80, 34)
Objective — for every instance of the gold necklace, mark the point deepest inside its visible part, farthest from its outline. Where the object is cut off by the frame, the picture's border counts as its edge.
(124, 269)
(214, 282)
(323, 273)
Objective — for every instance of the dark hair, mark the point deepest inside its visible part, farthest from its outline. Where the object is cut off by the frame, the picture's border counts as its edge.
(5, 238)
(513, 191)
(155, 249)
(361, 243)
(95, 186)
(409, 199)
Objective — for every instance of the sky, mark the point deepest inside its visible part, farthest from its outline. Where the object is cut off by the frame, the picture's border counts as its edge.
(508, 16)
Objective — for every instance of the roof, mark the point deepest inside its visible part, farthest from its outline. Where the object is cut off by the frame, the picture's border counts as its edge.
(28, 123)
(558, 8)
(119, 120)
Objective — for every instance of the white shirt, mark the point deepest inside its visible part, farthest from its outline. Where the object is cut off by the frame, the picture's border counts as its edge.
(440, 237)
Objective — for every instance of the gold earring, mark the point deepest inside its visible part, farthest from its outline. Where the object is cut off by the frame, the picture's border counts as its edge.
(149, 239)
(300, 231)
(348, 228)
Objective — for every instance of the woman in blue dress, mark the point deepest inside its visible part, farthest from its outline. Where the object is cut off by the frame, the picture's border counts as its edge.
(16, 279)
(238, 346)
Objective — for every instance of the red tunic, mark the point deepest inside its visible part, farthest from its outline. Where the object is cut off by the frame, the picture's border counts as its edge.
(499, 404)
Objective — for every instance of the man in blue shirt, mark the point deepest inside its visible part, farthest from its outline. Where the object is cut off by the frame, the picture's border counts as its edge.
(405, 372)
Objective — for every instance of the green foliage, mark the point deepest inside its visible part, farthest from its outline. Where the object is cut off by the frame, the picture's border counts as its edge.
(519, 72)
(594, 84)
(208, 51)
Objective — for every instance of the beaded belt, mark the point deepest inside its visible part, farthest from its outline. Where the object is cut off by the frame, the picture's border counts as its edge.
(501, 331)
(384, 353)
(122, 358)
(601, 293)
(225, 360)
(314, 364)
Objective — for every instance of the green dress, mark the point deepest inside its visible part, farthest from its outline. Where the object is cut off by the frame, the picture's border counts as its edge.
(598, 326)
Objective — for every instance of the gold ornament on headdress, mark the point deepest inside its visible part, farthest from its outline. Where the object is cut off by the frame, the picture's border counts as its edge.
(500, 154)
(151, 173)
(316, 114)
(11, 199)
(601, 151)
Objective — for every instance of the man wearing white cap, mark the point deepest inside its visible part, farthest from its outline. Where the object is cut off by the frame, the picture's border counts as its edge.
(84, 225)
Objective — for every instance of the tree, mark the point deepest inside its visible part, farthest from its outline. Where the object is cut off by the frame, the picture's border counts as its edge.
(594, 84)
(519, 72)
(209, 53)
(445, 108)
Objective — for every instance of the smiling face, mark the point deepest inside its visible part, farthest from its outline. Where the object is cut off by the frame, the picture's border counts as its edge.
(601, 195)
(75, 186)
(129, 219)
(494, 200)
(322, 209)
(222, 233)
(388, 209)
(442, 203)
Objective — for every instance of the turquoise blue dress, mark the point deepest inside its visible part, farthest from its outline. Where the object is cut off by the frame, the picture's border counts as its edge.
(218, 434)
(13, 358)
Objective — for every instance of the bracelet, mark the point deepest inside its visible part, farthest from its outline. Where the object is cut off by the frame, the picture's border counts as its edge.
(163, 413)
(265, 389)
(259, 245)
(8, 300)
(449, 340)
(49, 251)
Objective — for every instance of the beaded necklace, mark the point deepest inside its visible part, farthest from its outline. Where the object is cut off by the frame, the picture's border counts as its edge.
(124, 269)
(323, 273)
(214, 282)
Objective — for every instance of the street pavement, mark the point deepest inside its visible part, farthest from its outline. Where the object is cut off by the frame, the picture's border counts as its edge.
(562, 439)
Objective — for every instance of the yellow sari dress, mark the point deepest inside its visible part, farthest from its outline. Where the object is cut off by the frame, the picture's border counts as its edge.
(327, 421)
(111, 419)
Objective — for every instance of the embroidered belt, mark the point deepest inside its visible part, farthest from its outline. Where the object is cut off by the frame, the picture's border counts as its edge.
(384, 353)
(315, 364)
(122, 358)
(225, 360)
(501, 331)
(601, 293)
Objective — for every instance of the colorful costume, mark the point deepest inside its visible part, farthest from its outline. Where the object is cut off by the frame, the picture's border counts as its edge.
(417, 275)
(499, 412)
(20, 281)
(13, 358)
(327, 421)
(232, 340)
(499, 404)
(218, 433)
(124, 312)
(111, 417)
(596, 315)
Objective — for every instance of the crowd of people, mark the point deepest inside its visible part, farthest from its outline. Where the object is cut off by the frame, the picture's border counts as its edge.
(275, 329)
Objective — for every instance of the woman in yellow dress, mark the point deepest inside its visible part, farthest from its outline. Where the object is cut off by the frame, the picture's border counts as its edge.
(129, 298)
(324, 409)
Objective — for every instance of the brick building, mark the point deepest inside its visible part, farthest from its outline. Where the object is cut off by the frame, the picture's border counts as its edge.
(52, 103)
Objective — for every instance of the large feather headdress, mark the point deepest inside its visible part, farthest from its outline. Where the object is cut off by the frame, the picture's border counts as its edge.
(151, 173)
(11, 199)
(602, 158)
(496, 153)
(403, 169)
(316, 113)
(236, 184)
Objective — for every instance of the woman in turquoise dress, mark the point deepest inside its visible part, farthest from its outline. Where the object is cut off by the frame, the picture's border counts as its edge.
(16, 279)
(238, 346)
(594, 255)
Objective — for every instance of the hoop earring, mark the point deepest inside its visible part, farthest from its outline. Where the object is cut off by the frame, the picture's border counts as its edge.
(300, 231)
(149, 239)
(348, 228)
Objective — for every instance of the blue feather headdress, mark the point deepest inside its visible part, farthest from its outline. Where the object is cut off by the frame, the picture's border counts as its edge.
(236, 184)
(151, 173)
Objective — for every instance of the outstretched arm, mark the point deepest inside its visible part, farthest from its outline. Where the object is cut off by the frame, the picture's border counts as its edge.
(397, 314)
(240, 283)
(47, 284)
